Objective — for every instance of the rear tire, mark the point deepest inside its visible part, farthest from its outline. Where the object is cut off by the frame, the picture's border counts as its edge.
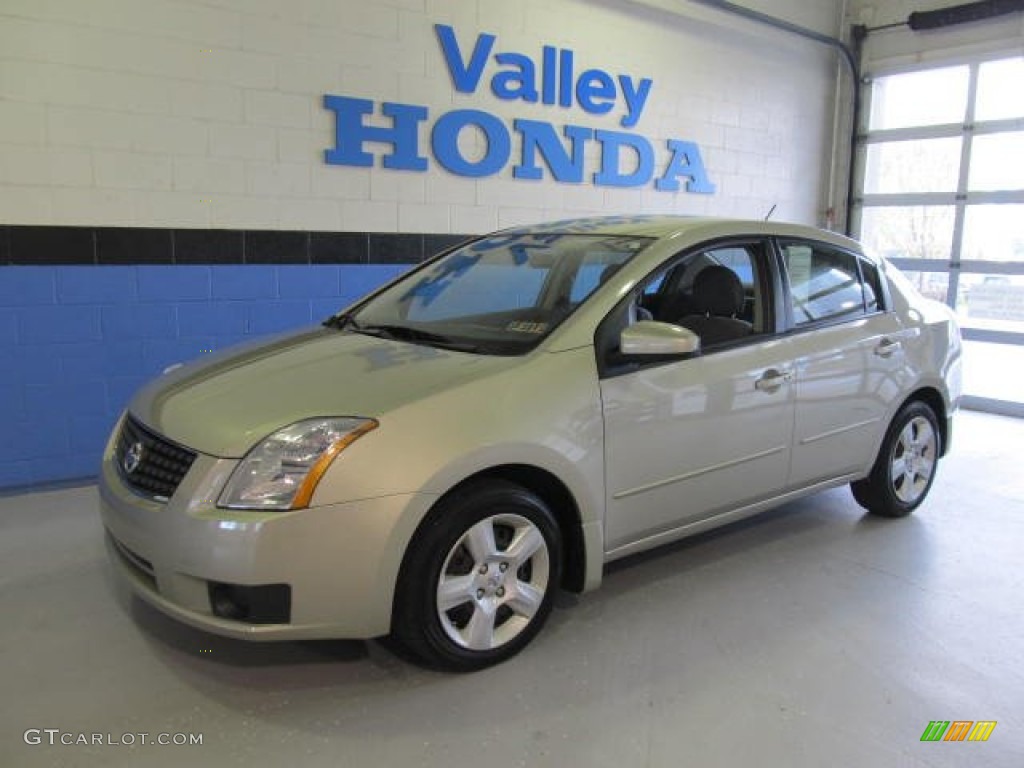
(905, 468)
(479, 578)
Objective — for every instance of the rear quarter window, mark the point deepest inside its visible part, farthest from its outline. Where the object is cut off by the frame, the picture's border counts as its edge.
(874, 295)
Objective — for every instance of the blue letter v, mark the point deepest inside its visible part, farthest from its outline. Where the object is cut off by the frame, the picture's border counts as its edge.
(466, 77)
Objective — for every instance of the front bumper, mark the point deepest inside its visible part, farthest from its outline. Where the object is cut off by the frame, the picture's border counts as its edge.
(340, 562)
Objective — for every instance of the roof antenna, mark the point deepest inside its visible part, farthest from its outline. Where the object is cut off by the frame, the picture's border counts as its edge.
(770, 213)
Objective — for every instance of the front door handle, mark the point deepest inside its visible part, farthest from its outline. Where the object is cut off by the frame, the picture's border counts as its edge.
(887, 347)
(772, 379)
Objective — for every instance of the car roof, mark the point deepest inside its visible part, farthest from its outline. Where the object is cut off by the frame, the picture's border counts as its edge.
(670, 226)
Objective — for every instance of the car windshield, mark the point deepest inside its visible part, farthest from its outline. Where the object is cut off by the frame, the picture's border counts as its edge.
(499, 295)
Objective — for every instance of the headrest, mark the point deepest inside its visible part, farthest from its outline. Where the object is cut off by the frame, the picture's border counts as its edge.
(718, 291)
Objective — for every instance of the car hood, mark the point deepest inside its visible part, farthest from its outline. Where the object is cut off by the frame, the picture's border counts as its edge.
(224, 404)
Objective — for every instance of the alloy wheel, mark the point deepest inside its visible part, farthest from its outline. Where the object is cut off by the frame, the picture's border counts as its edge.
(493, 582)
(913, 460)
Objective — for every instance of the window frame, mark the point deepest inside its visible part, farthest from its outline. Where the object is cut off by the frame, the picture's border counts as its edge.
(859, 260)
(765, 263)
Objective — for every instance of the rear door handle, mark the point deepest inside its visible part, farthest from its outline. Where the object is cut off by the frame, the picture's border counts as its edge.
(772, 379)
(887, 347)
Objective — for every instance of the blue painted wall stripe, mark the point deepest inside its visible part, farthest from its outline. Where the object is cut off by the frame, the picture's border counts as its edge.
(77, 341)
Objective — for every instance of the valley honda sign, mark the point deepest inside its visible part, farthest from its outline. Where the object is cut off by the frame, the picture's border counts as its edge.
(625, 158)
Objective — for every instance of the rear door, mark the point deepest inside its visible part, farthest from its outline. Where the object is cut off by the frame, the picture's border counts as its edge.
(847, 358)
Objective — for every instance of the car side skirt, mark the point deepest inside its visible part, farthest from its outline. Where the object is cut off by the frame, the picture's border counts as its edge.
(723, 518)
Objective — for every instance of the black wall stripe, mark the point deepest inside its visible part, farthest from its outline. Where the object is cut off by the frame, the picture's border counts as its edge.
(53, 245)
(339, 247)
(208, 246)
(115, 245)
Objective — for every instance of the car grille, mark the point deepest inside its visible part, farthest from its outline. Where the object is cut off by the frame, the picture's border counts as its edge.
(150, 464)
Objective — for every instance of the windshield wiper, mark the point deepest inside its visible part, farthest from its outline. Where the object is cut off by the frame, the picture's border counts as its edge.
(341, 322)
(415, 335)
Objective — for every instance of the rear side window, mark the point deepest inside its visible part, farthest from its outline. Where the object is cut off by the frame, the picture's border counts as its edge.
(827, 284)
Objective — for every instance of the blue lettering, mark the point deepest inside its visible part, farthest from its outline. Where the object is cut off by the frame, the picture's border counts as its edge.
(636, 99)
(350, 133)
(524, 78)
(565, 78)
(595, 91)
(466, 77)
(541, 136)
(548, 64)
(626, 159)
(612, 142)
(686, 162)
(445, 142)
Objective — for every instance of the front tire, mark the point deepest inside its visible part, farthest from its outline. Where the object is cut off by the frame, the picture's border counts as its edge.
(479, 578)
(905, 468)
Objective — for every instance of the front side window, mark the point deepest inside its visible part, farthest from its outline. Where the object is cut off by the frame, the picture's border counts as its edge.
(824, 284)
(718, 293)
(698, 286)
(499, 295)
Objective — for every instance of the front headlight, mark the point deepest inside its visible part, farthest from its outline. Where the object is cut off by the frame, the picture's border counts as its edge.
(282, 471)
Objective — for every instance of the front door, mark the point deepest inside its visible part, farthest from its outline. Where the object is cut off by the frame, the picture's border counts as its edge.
(690, 439)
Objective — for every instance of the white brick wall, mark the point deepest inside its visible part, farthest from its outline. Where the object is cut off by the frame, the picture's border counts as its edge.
(209, 176)
(132, 170)
(22, 123)
(369, 216)
(198, 114)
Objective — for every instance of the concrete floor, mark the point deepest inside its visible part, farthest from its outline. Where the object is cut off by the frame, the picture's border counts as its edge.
(809, 636)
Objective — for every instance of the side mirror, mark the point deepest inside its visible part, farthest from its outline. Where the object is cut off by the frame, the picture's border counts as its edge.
(652, 338)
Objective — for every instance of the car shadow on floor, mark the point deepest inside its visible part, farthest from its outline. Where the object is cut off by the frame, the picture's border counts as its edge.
(790, 542)
(294, 665)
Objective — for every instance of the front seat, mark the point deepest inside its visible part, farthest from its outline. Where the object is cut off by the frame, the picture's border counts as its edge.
(717, 299)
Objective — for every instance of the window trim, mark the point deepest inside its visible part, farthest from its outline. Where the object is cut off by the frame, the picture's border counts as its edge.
(765, 262)
(793, 327)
